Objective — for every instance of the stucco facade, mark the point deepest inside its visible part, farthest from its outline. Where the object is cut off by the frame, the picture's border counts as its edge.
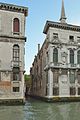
(12, 42)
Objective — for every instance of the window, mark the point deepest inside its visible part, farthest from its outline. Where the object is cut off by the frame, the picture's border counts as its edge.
(78, 91)
(72, 91)
(15, 89)
(16, 51)
(78, 76)
(55, 77)
(71, 56)
(78, 57)
(47, 57)
(40, 83)
(55, 91)
(72, 77)
(55, 55)
(71, 38)
(16, 26)
(78, 39)
(55, 35)
(16, 74)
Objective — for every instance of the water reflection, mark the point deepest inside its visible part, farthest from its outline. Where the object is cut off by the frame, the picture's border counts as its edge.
(52, 111)
(11, 113)
(38, 110)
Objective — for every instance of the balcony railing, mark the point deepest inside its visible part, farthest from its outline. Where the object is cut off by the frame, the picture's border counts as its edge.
(72, 65)
(16, 63)
(60, 65)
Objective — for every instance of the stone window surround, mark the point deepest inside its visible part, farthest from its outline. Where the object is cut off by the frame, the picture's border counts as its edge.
(20, 32)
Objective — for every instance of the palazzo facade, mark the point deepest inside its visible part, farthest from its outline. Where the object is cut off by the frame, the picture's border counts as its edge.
(12, 42)
(56, 68)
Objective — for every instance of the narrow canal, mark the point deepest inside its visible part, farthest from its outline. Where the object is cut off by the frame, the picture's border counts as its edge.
(38, 110)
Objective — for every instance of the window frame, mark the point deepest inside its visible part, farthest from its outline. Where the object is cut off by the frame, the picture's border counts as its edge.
(55, 77)
(55, 55)
(78, 76)
(72, 91)
(71, 56)
(72, 77)
(16, 53)
(78, 90)
(16, 74)
(14, 91)
(16, 26)
(78, 57)
(71, 38)
(55, 91)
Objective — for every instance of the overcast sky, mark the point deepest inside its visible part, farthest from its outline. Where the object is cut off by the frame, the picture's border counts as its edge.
(39, 11)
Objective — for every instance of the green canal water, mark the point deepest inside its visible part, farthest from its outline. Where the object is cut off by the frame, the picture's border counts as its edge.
(38, 110)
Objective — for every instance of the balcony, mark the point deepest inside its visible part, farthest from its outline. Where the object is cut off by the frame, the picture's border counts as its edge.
(78, 66)
(53, 65)
(16, 64)
(72, 65)
(60, 65)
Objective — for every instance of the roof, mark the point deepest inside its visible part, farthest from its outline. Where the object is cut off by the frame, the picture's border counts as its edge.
(14, 8)
(60, 26)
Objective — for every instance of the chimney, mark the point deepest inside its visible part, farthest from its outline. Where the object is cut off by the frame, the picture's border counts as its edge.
(38, 47)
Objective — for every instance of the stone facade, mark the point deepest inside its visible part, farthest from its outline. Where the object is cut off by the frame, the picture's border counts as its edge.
(12, 42)
(60, 55)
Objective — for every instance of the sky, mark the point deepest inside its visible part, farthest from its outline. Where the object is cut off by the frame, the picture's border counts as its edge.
(39, 11)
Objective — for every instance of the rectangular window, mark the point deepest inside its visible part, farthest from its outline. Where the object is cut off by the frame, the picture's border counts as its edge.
(55, 35)
(64, 72)
(16, 53)
(78, 91)
(55, 55)
(71, 38)
(55, 77)
(16, 74)
(78, 77)
(78, 39)
(72, 91)
(71, 56)
(15, 89)
(47, 58)
(55, 91)
(72, 77)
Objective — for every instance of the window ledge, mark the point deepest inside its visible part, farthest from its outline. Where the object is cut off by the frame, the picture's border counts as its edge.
(16, 33)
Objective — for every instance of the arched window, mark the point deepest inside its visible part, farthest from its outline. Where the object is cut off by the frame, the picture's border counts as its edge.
(16, 51)
(16, 25)
(71, 56)
(78, 57)
(55, 55)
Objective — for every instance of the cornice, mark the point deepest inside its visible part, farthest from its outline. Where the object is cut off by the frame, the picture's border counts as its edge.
(58, 25)
(14, 8)
(5, 38)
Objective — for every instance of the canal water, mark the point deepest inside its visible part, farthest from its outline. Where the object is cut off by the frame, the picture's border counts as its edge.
(38, 110)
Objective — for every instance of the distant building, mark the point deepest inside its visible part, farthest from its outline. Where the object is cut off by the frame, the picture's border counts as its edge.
(55, 71)
(12, 42)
